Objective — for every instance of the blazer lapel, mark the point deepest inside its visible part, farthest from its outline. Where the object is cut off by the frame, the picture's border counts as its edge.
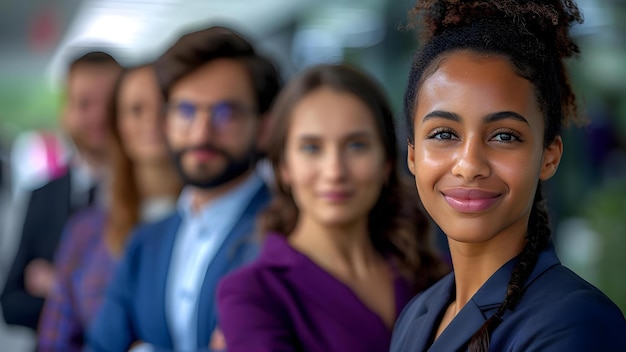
(426, 316)
(61, 210)
(65, 191)
(216, 268)
(483, 304)
(307, 279)
(456, 336)
(474, 314)
(233, 252)
(55, 204)
(162, 260)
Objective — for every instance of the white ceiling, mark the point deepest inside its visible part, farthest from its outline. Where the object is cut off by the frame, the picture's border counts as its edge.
(138, 30)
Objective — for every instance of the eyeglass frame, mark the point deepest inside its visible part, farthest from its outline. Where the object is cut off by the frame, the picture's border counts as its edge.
(172, 110)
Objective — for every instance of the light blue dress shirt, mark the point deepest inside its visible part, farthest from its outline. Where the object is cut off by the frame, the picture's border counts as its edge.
(199, 237)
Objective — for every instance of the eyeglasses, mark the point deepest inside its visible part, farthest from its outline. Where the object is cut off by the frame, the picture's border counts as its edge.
(225, 116)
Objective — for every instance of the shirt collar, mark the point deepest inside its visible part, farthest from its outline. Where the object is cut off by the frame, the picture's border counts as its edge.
(223, 208)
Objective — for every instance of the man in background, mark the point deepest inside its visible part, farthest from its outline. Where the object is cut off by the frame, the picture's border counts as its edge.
(90, 82)
(218, 91)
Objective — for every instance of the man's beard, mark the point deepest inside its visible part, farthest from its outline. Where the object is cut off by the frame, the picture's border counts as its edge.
(235, 167)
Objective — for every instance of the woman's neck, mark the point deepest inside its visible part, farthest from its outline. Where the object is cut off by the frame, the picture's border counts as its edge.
(157, 180)
(475, 263)
(345, 250)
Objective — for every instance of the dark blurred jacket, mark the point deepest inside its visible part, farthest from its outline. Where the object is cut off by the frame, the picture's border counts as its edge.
(46, 214)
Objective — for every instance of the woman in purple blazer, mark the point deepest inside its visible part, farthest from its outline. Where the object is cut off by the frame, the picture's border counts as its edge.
(345, 249)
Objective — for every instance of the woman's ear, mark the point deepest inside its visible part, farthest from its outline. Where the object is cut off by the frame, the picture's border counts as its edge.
(551, 158)
(410, 157)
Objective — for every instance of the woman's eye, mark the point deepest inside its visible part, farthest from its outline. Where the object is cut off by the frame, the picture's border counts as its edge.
(309, 148)
(505, 137)
(441, 134)
(136, 110)
(357, 145)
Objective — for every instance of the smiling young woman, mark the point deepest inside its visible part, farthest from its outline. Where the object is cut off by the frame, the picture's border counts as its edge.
(477, 165)
(487, 95)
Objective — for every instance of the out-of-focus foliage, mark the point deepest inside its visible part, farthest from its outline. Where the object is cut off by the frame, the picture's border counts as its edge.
(605, 210)
(27, 104)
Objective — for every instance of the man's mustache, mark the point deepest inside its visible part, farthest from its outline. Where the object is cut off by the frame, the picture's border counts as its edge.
(204, 148)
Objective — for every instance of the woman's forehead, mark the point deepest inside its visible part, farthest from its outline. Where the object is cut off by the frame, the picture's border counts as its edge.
(466, 81)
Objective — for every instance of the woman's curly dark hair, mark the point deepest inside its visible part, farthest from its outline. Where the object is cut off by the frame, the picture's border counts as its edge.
(534, 36)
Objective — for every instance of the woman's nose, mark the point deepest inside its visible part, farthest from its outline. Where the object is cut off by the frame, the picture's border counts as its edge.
(471, 161)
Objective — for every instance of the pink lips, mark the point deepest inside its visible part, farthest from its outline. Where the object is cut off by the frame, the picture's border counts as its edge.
(336, 196)
(467, 200)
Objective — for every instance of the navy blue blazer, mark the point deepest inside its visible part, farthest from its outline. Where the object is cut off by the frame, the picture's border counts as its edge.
(135, 308)
(48, 210)
(558, 312)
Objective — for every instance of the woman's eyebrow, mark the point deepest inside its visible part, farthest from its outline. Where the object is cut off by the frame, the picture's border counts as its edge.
(505, 115)
(443, 115)
(502, 115)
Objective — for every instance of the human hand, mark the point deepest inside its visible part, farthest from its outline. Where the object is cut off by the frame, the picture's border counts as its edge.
(39, 277)
(140, 346)
(217, 342)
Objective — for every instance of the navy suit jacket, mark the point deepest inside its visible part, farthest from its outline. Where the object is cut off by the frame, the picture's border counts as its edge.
(558, 312)
(134, 308)
(48, 210)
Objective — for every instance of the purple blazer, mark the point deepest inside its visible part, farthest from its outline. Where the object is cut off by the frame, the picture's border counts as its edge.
(283, 301)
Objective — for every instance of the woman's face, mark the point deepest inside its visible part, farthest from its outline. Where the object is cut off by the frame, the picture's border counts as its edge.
(478, 150)
(334, 160)
(139, 117)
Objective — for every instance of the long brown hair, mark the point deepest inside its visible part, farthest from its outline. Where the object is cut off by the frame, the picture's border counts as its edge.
(125, 200)
(397, 225)
(534, 37)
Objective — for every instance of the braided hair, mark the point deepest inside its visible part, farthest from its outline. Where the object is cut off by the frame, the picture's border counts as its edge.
(534, 37)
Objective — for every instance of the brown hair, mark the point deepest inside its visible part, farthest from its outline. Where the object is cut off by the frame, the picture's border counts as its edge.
(195, 49)
(397, 225)
(534, 37)
(94, 58)
(123, 212)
